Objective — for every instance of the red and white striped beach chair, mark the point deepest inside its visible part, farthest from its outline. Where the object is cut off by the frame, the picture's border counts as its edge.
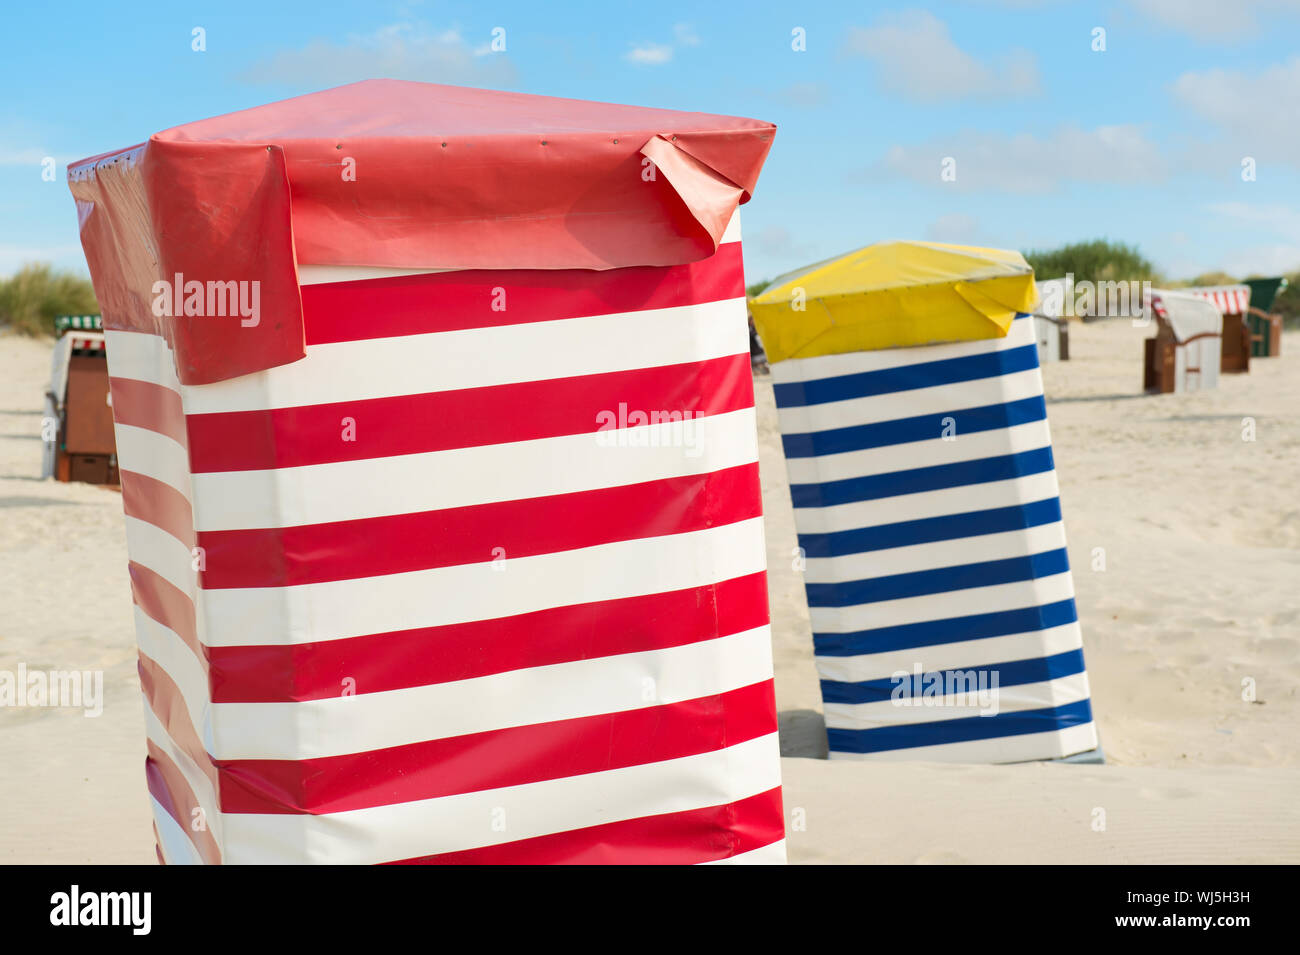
(456, 554)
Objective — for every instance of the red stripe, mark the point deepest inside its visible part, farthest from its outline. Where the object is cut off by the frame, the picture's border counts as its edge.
(464, 418)
(390, 661)
(144, 404)
(514, 756)
(168, 785)
(448, 301)
(374, 547)
(168, 704)
(162, 601)
(158, 503)
(675, 838)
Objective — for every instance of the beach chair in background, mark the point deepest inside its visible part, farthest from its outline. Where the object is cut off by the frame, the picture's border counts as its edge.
(1265, 328)
(926, 503)
(78, 408)
(1233, 301)
(1183, 355)
(1051, 327)
(454, 552)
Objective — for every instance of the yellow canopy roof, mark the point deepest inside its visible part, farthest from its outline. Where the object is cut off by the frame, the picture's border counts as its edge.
(892, 295)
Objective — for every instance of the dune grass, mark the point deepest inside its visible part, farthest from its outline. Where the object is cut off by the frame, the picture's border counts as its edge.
(36, 293)
(1097, 260)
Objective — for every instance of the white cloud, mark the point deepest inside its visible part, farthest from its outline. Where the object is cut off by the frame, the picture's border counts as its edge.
(402, 51)
(1278, 219)
(26, 157)
(1257, 110)
(657, 54)
(1275, 229)
(1214, 19)
(1028, 163)
(1278, 259)
(954, 228)
(13, 257)
(917, 58)
(649, 54)
(24, 145)
(778, 242)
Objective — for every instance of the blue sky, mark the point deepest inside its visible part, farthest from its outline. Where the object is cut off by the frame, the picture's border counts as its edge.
(1053, 141)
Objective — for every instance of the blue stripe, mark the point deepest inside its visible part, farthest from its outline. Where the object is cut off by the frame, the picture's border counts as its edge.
(930, 633)
(962, 730)
(927, 530)
(1014, 673)
(872, 487)
(811, 444)
(940, 580)
(907, 377)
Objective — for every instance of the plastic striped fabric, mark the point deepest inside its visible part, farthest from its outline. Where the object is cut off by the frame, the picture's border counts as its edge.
(82, 322)
(91, 342)
(1230, 299)
(479, 580)
(928, 513)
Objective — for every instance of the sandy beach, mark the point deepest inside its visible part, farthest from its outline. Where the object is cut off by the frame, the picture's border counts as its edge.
(1185, 543)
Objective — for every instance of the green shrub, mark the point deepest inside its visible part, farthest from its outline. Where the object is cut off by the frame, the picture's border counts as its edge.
(1099, 260)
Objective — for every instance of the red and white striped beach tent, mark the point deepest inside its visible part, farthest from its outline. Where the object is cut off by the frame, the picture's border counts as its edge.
(444, 524)
(1231, 299)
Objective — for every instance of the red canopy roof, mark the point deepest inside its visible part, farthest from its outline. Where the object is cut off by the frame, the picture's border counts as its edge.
(400, 174)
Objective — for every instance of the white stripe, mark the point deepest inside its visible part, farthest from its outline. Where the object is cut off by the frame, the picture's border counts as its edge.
(1005, 699)
(162, 553)
(919, 454)
(909, 507)
(481, 357)
(161, 645)
(198, 782)
(854, 363)
(452, 360)
(445, 595)
(153, 455)
(496, 816)
(1055, 744)
(960, 654)
(953, 603)
(142, 357)
(895, 405)
(732, 232)
(946, 553)
(330, 274)
(771, 854)
(173, 841)
(406, 484)
(543, 694)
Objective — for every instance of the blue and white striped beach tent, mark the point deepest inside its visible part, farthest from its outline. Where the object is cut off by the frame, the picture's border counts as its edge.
(927, 506)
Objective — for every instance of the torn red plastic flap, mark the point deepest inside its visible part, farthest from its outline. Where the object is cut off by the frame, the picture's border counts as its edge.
(395, 174)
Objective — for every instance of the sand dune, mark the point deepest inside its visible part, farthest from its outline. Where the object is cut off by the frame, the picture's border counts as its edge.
(1201, 539)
